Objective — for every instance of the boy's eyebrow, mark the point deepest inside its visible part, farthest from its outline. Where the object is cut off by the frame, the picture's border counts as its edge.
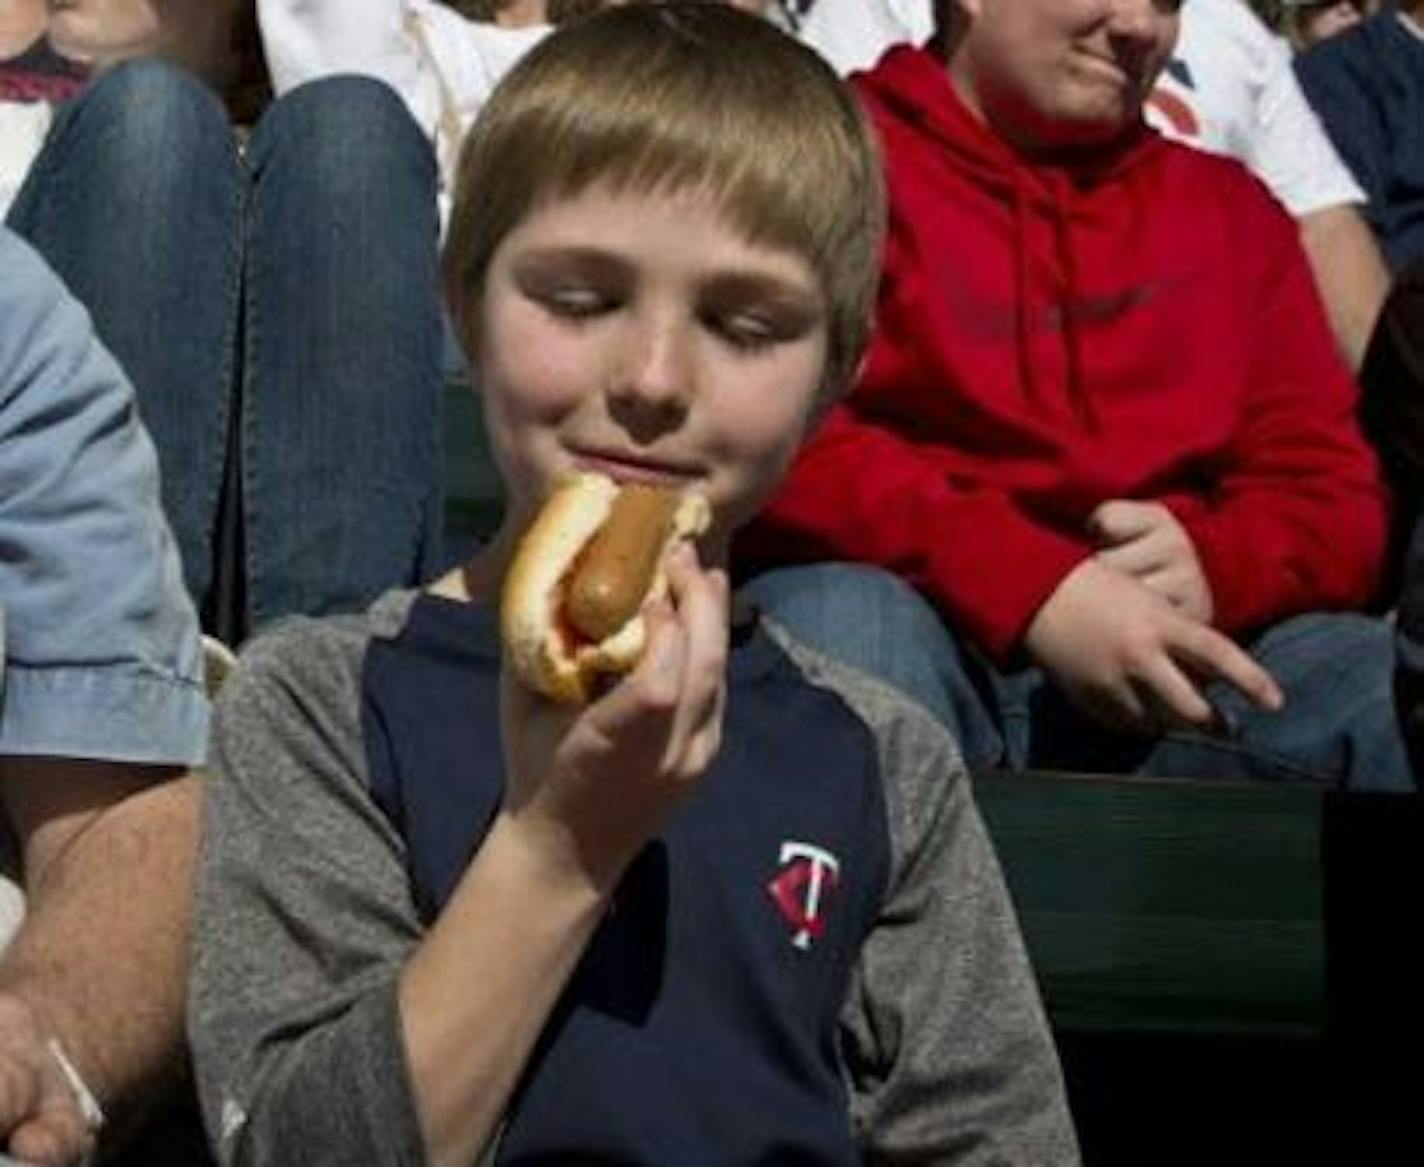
(745, 285)
(584, 258)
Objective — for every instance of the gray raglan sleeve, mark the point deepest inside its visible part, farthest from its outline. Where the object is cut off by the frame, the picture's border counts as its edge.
(947, 1047)
(303, 921)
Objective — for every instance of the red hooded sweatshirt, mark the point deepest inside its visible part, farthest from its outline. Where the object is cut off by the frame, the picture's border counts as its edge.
(1140, 324)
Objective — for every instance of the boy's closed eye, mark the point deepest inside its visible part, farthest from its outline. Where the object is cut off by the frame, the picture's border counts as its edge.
(753, 312)
(747, 331)
(757, 327)
(573, 284)
(573, 301)
(747, 310)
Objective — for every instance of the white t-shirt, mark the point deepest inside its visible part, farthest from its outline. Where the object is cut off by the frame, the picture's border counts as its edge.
(1230, 88)
(441, 64)
(22, 134)
(852, 34)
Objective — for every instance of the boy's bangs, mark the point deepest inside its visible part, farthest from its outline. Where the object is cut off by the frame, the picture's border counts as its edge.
(675, 99)
(769, 185)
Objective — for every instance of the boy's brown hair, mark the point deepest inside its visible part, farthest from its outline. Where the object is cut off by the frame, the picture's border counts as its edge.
(676, 97)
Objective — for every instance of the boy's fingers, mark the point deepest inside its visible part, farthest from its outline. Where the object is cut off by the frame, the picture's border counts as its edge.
(656, 680)
(1212, 655)
(702, 601)
(702, 606)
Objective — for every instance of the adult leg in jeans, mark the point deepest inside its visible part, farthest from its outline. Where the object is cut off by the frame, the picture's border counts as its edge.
(137, 202)
(342, 363)
(870, 619)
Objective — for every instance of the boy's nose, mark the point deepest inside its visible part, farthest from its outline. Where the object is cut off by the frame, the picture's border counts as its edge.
(654, 383)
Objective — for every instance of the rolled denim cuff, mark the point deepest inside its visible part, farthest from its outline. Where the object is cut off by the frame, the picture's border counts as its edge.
(119, 713)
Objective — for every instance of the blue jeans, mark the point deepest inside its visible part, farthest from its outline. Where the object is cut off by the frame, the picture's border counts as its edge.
(1338, 726)
(278, 311)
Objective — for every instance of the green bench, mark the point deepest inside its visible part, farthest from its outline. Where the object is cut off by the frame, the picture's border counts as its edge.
(1177, 932)
(1160, 906)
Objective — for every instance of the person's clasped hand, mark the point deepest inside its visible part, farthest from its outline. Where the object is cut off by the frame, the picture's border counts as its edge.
(41, 1120)
(1146, 541)
(1132, 659)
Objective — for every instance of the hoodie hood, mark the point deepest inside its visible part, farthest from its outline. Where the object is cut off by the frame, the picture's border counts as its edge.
(912, 89)
(912, 85)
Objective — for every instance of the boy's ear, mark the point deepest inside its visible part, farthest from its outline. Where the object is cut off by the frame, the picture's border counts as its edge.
(829, 396)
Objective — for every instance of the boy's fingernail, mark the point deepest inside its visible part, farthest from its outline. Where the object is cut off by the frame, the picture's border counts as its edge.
(666, 663)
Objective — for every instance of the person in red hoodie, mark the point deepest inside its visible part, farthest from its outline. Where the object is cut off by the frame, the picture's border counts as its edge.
(1102, 428)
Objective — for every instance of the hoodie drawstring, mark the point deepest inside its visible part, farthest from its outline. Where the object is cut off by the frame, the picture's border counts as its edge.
(1069, 314)
(1071, 317)
(1023, 309)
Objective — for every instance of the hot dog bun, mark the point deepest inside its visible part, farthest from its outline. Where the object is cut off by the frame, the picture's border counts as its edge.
(561, 551)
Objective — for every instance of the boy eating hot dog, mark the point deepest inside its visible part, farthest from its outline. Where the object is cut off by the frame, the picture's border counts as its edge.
(738, 907)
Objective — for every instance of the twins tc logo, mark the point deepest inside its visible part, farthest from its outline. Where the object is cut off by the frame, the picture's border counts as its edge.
(807, 877)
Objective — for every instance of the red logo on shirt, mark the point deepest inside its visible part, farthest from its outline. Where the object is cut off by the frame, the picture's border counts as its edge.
(1178, 113)
(801, 888)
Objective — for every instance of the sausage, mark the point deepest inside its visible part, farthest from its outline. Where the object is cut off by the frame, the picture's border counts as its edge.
(614, 572)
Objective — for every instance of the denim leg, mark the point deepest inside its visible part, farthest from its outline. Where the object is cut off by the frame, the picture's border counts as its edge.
(873, 621)
(1043, 730)
(341, 399)
(137, 202)
(1338, 726)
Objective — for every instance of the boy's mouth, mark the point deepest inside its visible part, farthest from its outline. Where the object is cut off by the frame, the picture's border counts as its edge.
(628, 466)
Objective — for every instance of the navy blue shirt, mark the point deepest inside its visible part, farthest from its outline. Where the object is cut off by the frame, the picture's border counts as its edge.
(1367, 85)
(704, 1013)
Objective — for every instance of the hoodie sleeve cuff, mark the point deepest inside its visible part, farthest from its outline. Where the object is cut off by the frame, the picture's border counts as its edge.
(1241, 598)
(994, 604)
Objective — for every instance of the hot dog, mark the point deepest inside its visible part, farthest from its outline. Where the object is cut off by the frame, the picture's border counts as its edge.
(572, 601)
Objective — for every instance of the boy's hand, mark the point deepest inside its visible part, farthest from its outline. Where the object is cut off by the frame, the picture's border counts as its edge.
(1145, 540)
(1129, 658)
(593, 785)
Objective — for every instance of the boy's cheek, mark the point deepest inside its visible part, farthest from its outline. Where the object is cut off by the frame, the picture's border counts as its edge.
(537, 376)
